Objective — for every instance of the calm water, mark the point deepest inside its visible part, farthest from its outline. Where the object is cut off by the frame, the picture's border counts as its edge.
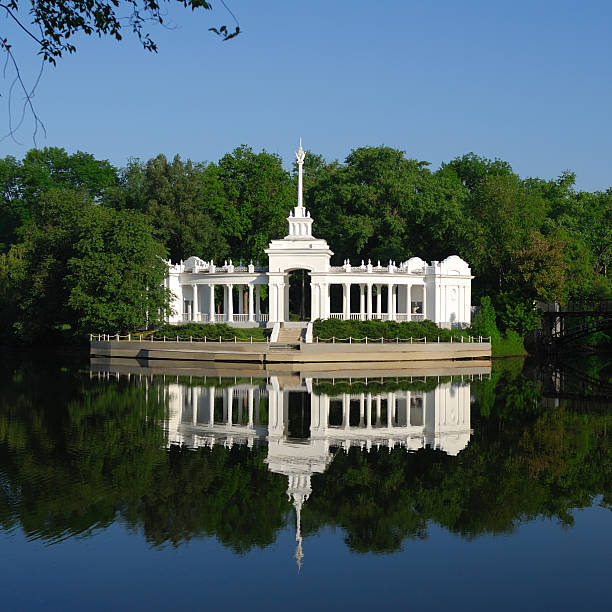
(130, 487)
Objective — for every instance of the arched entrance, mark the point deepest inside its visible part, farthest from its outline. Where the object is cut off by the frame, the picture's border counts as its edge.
(299, 294)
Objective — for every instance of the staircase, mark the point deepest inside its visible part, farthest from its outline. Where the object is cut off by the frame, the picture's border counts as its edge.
(288, 338)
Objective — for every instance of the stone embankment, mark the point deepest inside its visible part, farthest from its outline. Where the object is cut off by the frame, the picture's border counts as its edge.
(286, 352)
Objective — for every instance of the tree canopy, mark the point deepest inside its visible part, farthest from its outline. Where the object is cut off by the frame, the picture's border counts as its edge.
(67, 218)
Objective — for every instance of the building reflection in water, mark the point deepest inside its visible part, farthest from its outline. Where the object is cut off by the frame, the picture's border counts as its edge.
(303, 426)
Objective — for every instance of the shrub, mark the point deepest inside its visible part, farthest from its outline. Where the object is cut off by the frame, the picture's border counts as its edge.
(484, 321)
(389, 330)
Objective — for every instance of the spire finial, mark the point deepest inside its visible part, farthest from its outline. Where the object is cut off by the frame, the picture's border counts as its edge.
(300, 161)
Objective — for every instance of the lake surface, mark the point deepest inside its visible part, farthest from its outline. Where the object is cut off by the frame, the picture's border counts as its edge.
(150, 486)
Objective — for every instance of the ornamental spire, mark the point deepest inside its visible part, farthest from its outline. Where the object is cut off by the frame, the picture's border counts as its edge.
(300, 161)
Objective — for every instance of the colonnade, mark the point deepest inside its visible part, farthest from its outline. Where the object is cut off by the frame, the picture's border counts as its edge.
(402, 303)
(203, 310)
(439, 418)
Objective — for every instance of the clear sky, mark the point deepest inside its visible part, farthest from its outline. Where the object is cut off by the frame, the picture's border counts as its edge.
(529, 82)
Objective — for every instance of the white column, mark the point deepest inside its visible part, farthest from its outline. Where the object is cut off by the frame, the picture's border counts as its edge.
(424, 303)
(390, 408)
(369, 300)
(251, 312)
(240, 299)
(369, 411)
(346, 410)
(409, 301)
(230, 303)
(286, 300)
(325, 289)
(390, 301)
(257, 300)
(315, 301)
(346, 301)
(361, 301)
(273, 299)
(211, 303)
(394, 301)
(361, 408)
(194, 406)
(250, 403)
(195, 310)
(230, 404)
(324, 310)
(379, 301)
(211, 405)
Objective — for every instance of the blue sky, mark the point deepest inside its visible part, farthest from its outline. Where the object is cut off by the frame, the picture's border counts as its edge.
(529, 82)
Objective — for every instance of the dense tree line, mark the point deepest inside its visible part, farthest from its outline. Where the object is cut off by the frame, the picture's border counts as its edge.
(82, 243)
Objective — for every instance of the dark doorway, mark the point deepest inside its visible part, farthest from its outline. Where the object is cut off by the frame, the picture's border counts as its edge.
(298, 415)
(299, 295)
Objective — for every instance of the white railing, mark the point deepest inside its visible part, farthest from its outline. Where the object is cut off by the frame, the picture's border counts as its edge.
(169, 338)
(383, 316)
(204, 317)
(274, 338)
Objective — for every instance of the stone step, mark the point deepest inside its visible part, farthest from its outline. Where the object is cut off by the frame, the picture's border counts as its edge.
(284, 347)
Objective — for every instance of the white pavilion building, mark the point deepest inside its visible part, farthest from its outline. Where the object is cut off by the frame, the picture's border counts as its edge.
(413, 290)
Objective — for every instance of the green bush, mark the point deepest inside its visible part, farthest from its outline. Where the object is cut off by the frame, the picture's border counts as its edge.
(511, 345)
(212, 331)
(389, 330)
(484, 321)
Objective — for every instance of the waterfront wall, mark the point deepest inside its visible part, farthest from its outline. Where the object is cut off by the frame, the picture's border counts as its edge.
(307, 353)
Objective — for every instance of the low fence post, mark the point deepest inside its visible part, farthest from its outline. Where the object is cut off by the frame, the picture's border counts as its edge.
(366, 339)
(190, 338)
(350, 339)
(219, 339)
(117, 336)
(333, 339)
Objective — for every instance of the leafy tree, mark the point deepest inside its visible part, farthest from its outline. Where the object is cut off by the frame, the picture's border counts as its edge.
(380, 205)
(257, 195)
(484, 320)
(180, 203)
(472, 170)
(23, 183)
(116, 272)
(83, 267)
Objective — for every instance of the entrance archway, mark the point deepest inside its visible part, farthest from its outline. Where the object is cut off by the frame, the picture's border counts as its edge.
(299, 295)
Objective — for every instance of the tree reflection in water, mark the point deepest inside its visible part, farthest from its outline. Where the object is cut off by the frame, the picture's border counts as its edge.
(80, 450)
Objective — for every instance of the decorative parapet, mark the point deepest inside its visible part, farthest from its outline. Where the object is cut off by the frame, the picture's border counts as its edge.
(451, 266)
(196, 265)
